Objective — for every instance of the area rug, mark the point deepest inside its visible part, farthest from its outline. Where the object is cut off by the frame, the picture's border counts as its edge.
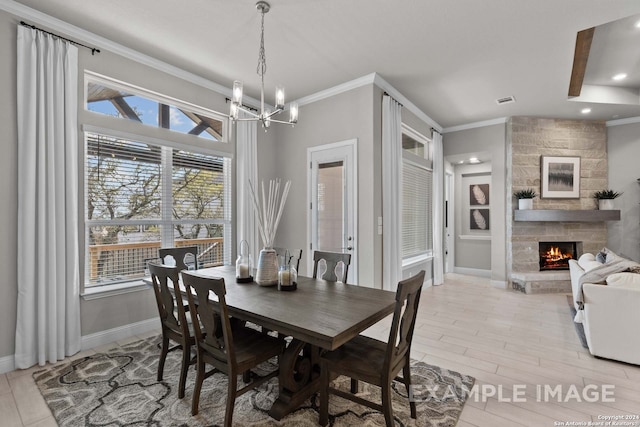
(119, 388)
(579, 327)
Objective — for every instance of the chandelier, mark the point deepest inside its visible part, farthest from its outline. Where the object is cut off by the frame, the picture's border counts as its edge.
(264, 116)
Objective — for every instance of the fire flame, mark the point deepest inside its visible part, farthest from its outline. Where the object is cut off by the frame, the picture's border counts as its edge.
(554, 254)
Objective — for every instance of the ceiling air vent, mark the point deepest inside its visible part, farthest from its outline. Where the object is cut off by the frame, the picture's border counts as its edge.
(505, 100)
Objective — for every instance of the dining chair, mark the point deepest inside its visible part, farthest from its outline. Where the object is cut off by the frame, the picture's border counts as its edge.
(280, 252)
(239, 349)
(373, 361)
(186, 256)
(173, 319)
(332, 259)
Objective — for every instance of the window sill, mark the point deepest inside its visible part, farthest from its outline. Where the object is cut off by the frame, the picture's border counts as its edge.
(96, 292)
(416, 260)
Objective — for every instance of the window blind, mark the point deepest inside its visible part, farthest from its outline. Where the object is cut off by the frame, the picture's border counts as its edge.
(416, 210)
(140, 197)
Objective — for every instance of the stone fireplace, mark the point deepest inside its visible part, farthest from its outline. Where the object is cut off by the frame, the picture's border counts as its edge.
(528, 139)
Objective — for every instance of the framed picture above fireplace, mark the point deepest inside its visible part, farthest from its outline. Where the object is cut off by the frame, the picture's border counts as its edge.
(560, 177)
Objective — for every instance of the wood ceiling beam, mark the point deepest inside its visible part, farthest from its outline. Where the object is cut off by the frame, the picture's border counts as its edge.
(580, 57)
(124, 108)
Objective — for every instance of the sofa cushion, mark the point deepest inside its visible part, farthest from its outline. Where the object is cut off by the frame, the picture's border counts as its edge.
(590, 265)
(624, 280)
(587, 256)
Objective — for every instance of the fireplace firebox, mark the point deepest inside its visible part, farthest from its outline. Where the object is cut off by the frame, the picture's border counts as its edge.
(556, 255)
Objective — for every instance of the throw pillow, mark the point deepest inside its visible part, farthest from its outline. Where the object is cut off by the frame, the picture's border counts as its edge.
(624, 280)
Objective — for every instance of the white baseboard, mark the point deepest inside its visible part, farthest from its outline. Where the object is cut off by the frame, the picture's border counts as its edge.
(119, 333)
(472, 271)
(7, 364)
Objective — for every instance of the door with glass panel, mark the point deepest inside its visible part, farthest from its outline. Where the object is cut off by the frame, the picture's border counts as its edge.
(332, 202)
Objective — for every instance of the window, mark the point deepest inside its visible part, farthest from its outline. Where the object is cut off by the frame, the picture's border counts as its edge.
(140, 197)
(119, 100)
(417, 217)
(144, 191)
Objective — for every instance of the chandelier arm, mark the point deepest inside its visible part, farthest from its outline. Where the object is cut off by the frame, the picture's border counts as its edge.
(273, 113)
(281, 121)
(246, 110)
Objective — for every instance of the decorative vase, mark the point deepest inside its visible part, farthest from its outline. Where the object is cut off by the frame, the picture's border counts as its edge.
(267, 273)
(605, 204)
(524, 204)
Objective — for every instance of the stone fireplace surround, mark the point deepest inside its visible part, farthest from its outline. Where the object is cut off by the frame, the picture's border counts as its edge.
(527, 140)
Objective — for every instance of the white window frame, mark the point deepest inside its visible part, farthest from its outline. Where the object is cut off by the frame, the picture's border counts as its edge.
(118, 128)
(426, 164)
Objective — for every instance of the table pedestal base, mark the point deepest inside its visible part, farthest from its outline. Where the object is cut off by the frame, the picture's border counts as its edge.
(299, 377)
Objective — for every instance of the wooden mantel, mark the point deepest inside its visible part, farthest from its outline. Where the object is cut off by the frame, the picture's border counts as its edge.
(564, 215)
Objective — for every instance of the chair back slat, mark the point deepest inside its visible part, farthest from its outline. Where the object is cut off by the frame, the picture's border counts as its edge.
(165, 281)
(186, 256)
(218, 343)
(404, 320)
(332, 259)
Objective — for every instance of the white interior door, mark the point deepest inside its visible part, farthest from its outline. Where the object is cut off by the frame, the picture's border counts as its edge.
(449, 225)
(332, 202)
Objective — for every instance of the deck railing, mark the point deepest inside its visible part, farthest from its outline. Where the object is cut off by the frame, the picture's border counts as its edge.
(126, 261)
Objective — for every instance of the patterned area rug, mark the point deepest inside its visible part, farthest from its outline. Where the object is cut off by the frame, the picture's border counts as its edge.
(119, 388)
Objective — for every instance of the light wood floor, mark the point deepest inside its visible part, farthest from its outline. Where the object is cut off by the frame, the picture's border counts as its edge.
(503, 338)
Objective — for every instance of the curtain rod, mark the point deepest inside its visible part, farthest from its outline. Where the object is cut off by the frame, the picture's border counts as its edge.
(436, 131)
(93, 49)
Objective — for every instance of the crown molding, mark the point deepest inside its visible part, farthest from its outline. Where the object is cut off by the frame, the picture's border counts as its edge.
(474, 125)
(73, 32)
(621, 122)
(386, 86)
(369, 79)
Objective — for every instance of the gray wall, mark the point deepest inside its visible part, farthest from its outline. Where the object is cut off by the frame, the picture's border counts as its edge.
(349, 115)
(491, 141)
(624, 170)
(9, 187)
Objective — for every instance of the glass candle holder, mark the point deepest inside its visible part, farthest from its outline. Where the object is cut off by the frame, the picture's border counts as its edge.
(244, 264)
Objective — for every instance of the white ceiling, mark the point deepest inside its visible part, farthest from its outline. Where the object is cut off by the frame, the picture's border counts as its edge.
(452, 59)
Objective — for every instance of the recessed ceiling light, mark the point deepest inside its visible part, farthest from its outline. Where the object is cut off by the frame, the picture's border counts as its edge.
(461, 162)
(620, 76)
(474, 160)
(638, 24)
(585, 110)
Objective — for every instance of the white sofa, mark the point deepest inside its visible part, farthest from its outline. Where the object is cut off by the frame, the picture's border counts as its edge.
(611, 316)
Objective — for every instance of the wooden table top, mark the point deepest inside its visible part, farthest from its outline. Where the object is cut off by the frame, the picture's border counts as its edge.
(325, 314)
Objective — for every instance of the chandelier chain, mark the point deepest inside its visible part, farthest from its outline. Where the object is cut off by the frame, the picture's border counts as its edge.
(262, 57)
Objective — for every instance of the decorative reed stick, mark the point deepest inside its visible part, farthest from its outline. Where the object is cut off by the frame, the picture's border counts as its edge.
(270, 210)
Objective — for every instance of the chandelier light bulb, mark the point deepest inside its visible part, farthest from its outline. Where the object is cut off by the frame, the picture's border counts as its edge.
(279, 97)
(237, 93)
(293, 113)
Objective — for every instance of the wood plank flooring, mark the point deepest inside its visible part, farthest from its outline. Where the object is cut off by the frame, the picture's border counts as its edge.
(505, 339)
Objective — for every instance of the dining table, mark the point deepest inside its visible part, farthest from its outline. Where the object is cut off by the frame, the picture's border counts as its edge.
(318, 316)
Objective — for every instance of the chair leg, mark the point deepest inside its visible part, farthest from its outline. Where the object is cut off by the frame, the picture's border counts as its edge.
(354, 386)
(324, 395)
(231, 398)
(387, 409)
(186, 360)
(195, 401)
(406, 376)
(163, 356)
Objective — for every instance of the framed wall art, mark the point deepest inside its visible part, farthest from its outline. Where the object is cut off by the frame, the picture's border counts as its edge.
(478, 194)
(479, 219)
(560, 177)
